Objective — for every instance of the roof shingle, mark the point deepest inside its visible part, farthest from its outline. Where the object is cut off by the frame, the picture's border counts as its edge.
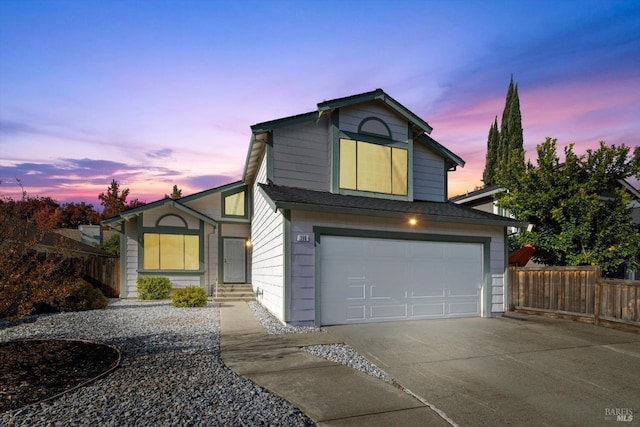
(303, 199)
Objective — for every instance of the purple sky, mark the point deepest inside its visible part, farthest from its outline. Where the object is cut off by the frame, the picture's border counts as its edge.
(157, 93)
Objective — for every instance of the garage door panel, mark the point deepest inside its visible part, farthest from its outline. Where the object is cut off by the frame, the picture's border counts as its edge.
(463, 293)
(370, 279)
(356, 313)
(385, 293)
(427, 293)
(463, 309)
(387, 311)
(427, 310)
(356, 291)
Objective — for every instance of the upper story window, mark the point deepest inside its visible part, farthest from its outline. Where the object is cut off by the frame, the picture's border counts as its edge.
(234, 204)
(366, 166)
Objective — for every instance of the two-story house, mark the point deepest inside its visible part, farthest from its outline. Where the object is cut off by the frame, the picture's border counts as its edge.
(341, 216)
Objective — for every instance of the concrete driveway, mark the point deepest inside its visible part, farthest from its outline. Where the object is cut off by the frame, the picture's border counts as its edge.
(502, 371)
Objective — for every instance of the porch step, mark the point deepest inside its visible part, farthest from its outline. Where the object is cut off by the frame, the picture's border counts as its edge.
(234, 292)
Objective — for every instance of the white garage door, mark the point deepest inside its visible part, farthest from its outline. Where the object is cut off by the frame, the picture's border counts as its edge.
(369, 280)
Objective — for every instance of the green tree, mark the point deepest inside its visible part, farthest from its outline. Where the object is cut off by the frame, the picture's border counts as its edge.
(75, 214)
(578, 211)
(505, 143)
(133, 204)
(491, 163)
(114, 201)
(28, 279)
(112, 245)
(175, 194)
(511, 134)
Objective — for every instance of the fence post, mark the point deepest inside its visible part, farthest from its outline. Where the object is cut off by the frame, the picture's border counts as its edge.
(597, 295)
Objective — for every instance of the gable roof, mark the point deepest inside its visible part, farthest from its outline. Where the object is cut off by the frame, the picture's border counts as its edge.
(487, 191)
(376, 95)
(281, 197)
(491, 190)
(177, 203)
(53, 240)
(259, 130)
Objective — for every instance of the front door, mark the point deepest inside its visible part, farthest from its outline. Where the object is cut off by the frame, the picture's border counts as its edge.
(234, 261)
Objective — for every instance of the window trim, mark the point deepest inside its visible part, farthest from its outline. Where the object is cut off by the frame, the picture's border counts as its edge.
(356, 191)
(184, 259)
(336, 133)
(228, 193)
(170, 230)
(364, 122)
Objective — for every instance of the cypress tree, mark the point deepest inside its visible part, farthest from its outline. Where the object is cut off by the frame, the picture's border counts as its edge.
(516, 139)
(505, 134)
(493, 142)
(503, 143)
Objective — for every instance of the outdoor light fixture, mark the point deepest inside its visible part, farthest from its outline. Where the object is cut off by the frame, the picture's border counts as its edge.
(413, 221)
(248, 243)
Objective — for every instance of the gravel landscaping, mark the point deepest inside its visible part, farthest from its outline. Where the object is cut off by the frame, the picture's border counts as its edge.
(170, 373)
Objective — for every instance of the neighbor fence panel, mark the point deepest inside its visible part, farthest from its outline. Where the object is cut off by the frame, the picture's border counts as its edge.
(103, 273)
(620, 301)
(576, 292)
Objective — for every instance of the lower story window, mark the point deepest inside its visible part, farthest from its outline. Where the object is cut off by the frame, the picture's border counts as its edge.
(171, 252)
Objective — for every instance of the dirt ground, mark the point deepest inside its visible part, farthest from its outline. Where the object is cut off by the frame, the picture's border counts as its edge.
(34, 370)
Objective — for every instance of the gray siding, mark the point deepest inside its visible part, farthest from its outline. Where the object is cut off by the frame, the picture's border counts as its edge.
(352, 116)
(211, 257)
(429, 176)
(210, 205)
(267, 265)
(301, 156)
(152, 216)
(129, 289)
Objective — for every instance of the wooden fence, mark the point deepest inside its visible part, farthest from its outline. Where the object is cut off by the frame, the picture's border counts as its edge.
(103, 273)
(579, 293)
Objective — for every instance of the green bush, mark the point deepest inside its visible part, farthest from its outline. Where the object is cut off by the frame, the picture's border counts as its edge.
(74, 295)
(191, 296)
(112, 245)
(150, 287)
(83, 296)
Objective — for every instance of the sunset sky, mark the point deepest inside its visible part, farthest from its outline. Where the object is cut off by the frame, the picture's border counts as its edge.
(154, 93)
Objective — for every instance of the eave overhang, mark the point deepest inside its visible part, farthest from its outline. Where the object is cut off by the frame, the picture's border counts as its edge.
(406, 211)
(115, 222)
(453, 159)
(376, 95)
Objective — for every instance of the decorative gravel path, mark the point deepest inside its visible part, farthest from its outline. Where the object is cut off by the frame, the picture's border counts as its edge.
(170, 373)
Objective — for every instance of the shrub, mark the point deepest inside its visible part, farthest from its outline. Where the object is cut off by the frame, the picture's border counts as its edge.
(29, 276)
(76, 295)
(191, 296)
(83, 296)
(150, 287)
(112, 245)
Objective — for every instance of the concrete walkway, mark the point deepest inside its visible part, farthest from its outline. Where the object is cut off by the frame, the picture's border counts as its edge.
(329, 393)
